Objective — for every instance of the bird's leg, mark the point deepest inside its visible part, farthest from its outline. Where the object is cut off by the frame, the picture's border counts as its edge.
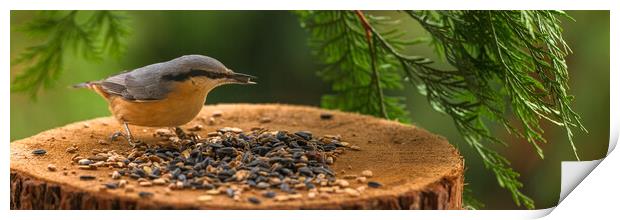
(179, 132)
(129, 136)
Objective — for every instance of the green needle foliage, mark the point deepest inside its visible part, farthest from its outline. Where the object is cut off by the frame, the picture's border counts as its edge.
(358, 72)
(91, 37)
(505, 64)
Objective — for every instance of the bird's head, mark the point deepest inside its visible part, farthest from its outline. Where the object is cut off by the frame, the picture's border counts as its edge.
(207, 71)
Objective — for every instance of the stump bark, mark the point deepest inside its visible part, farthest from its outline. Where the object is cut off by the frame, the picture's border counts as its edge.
(418, 170)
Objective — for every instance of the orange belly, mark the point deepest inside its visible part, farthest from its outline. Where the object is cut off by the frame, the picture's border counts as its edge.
(178, 108)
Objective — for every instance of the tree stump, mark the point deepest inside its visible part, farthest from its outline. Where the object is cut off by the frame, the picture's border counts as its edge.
(418, 170)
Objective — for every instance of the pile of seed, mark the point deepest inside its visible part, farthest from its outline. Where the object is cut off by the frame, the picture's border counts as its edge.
(280, 164)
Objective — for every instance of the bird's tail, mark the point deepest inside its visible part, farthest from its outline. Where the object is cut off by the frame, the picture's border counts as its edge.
(82, 85)
(92, 85)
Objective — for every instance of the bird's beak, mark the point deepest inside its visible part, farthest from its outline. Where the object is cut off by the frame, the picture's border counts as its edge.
(241, 78)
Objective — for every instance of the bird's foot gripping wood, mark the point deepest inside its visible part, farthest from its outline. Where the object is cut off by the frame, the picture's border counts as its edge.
(115, 136)
(133, 143)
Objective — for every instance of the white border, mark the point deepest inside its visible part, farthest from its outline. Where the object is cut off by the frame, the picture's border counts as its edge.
(586, 200)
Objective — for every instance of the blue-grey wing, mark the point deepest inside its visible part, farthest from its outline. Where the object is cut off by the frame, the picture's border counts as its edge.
(138, 85)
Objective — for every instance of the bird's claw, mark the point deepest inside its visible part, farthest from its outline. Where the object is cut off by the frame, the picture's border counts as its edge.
(115, 136)
(133, 144)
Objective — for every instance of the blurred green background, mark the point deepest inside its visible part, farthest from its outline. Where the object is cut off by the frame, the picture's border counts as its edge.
(272, 46)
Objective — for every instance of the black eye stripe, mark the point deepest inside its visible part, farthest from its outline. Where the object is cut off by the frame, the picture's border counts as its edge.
(193, 73)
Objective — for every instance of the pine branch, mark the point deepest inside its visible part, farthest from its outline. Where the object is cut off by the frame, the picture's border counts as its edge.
(521, 53)
(372, 50)
(505, 62)
(102, 33)
(113, 28)
(447, 93)
(359, 71)
(524, 53)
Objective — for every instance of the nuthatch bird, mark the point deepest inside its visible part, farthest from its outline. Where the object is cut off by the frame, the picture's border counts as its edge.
(167, 94)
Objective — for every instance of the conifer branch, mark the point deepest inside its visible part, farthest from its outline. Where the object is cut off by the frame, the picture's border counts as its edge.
(495, 55)
(359, 71)
(103, 32)
(373, 61)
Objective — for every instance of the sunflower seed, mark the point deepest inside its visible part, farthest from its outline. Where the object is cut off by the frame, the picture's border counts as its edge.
(39, 152)
(367, 173)
(326, 116)
(374, 184)
(254, 200)
(51, 167)
(269, 194)
(87, 177)
(85, 162)
(116, 175)
(145, 195)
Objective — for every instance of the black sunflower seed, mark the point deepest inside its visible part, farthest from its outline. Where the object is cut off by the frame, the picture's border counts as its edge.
(306, 171)
(111, 185)
(326, 116)
(145, 195)
(254, 200)
(269, 194)
(304, 134)
(374, 184)
(87, 177)
(39, 152)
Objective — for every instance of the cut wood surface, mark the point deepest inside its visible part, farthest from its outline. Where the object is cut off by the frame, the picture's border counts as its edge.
(418, 170)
